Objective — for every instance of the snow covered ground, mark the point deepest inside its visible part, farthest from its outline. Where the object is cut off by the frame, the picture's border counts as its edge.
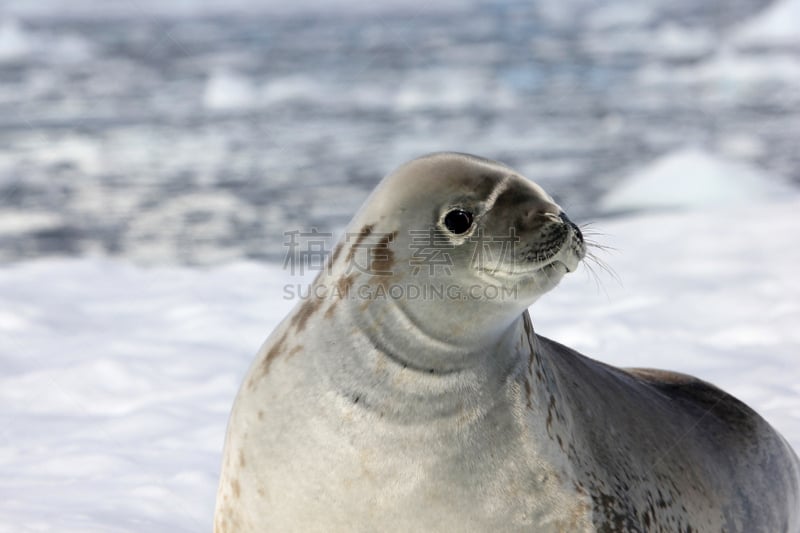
(690, 178)
(116, 380)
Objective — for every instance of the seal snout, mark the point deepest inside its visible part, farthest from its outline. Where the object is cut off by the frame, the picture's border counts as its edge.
(575, 229)
(574, 249)
(564, 240)
(554, 241)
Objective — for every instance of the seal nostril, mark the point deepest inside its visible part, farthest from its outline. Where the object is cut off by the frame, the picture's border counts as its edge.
(577, 231)
(563, 216)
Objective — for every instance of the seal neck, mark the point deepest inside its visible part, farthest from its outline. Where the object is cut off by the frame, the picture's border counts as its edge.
(422, 339)
(392, 365)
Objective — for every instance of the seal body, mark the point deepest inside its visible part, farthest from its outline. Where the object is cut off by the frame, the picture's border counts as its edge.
(409, 391)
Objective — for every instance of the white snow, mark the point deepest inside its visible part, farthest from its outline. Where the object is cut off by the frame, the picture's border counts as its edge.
(115, 387)
(15, 221)
(15, 43)
(667, 41)
(192, 8)
(449, 89)
(617, 15)
(672, 40)
(216, 215)
(116, 379)
(728, 71)
(293, 88)
(18, 43)
(692, 178)
(777, 25)
(229, 91)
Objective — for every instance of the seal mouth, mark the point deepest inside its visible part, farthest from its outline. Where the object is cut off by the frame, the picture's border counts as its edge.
(564, 261)
(556, 265)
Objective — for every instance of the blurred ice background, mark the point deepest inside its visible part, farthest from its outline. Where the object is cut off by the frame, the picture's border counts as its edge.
(197, 131)
(142, 139)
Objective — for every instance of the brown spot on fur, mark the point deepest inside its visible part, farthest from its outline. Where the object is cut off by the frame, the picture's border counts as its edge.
(336, 252)
(241, 458)
(527, 392)
(236, 488)
(260, 414)
(344, 284)
(363, 234)
(382, 256)
(551, 407)
(342, 291)
(294, 350)
(271, 355)
(304, 313)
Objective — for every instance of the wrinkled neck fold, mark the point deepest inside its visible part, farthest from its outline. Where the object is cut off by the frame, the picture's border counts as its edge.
(429, 337)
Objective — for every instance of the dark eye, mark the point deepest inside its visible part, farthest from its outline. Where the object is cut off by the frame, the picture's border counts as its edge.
(458, 221)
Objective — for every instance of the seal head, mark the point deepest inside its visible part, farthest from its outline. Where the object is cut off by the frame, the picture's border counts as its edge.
(474, 227)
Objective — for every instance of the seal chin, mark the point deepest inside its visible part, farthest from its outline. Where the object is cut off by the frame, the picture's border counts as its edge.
(573, 251)
(570, 258)
(566, 260)
(564, 263)
(556, 266)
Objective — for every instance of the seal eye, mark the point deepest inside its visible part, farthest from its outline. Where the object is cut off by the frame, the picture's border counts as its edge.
(458, 221)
